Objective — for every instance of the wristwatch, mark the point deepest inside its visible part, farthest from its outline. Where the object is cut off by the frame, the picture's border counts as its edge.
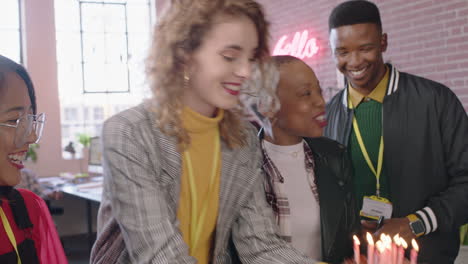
(416, 225)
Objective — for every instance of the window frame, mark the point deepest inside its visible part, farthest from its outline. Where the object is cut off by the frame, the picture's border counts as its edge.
(83, 71)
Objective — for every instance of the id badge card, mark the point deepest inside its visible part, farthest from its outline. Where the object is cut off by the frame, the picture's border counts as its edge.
(374, 207)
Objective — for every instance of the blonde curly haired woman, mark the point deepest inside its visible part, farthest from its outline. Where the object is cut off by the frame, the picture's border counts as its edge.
(182, 177)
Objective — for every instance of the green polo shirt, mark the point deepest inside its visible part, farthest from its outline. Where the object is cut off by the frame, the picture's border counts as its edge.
(368, 114)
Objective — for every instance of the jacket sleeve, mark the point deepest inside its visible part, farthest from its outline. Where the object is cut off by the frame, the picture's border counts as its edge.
(339, 162)
(138, 202)
(450, 206)
(254, 232)
(353, 223)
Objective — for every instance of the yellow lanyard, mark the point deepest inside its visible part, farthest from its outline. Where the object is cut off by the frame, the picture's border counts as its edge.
(196, 224)
(366, 155)
(9, 232)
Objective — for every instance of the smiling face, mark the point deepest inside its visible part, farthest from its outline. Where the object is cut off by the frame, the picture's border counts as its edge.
(219, 67)
(14, 102)
(357, 51)
(302, 112)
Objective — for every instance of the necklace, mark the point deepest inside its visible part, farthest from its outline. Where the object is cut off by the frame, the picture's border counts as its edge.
(293, 154)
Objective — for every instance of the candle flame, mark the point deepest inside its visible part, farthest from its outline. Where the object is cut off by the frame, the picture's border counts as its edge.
(380, 246)
(356, 240)
(388, 238)
(388, 242)
(370, 239)
(396, 239)
(403, 243)
(415, 245)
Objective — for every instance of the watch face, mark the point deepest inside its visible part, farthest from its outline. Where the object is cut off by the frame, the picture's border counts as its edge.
(417, 227)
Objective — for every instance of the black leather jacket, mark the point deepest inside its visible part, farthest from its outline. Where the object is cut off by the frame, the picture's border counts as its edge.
(338, 219)
(425, 130)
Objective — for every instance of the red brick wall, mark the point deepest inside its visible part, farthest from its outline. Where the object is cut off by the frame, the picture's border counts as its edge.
(426, 37)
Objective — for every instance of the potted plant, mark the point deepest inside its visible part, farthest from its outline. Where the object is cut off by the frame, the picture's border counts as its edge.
(85, 140)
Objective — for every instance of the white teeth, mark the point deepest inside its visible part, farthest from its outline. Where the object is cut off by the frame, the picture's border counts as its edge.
(232, 87)
(356, 73)
(320, 118)
(17, 158)
(17, 162)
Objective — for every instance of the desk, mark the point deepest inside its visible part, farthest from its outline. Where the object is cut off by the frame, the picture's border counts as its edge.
(91, 192)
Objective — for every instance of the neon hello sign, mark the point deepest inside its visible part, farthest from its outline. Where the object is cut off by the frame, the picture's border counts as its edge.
(301, 46)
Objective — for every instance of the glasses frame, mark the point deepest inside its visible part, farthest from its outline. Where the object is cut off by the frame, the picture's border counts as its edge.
(32, 125)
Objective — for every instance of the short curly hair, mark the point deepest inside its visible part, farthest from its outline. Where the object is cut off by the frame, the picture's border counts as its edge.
(354, 12)
(267, 100)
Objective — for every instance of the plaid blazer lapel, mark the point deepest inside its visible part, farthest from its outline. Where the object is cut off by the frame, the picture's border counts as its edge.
(171, 161)
(234, 185)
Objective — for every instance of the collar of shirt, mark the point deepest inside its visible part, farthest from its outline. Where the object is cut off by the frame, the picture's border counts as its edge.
(275, 193)
(377, 94)
(274, 177)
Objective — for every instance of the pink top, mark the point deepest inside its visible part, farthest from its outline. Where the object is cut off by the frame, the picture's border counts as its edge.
(46, 240)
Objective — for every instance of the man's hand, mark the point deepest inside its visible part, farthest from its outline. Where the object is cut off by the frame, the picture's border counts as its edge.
(391, 227)
(368, 227)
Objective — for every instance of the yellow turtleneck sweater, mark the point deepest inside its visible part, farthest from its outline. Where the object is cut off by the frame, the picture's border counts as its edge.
(203, 132)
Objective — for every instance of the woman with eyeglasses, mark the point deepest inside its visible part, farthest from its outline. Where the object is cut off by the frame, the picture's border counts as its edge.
(27, 232)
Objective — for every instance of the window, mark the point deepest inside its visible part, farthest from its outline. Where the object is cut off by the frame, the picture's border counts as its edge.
(71, 114)
(101, 47)
(65, 131)
(10, 30)
(98, 114)
(104, 42)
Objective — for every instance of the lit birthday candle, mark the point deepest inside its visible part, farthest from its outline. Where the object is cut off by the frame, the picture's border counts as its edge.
(414, 252)
(395, 248)
(378, 257)
(370, 249)
(357, 253)
(403, 248)
(388, 249)
(385, 256)
(399, 250)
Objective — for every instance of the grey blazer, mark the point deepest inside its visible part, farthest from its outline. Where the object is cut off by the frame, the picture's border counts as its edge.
(137, 220)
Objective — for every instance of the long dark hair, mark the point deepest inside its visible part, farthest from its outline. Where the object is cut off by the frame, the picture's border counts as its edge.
(6, 66)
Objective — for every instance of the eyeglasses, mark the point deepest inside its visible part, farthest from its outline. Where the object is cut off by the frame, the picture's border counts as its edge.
(25, 125)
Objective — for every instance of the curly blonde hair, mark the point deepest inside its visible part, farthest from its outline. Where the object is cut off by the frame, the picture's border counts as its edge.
(178, 34)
